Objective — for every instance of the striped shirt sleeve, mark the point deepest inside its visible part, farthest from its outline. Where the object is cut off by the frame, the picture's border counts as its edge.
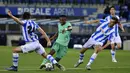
(24, 21)
(108, 18)
(102, 20)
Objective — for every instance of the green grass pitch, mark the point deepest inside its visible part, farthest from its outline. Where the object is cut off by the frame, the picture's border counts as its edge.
(29, 63)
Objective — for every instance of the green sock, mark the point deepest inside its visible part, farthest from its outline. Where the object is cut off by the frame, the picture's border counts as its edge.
(44, 62)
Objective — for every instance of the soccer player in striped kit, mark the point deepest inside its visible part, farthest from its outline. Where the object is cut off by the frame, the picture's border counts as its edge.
(29, 28)
(116, 39)
(103, 32)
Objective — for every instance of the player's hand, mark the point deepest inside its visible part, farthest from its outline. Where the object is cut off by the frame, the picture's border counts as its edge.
(49, 43)
(9, 13)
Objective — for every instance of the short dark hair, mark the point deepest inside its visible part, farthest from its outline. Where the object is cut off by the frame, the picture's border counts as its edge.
(112, 7)
(62, 16)
(115, 19)
(26, 15)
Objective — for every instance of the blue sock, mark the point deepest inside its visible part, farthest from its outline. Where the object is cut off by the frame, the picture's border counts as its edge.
(15, 59)
(113, 54)
(93, 57)
(51, 59)
(81, 56)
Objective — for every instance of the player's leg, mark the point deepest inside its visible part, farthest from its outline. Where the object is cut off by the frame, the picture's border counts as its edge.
(113, 49)
(118, 42)
(52, 52)
(81, 57)
(61, 53)
(113, 52)
(49, 57)
(118, 45)
(15, 51)
(57, 59)
(29, 47)
(97, 48)
(87, 45)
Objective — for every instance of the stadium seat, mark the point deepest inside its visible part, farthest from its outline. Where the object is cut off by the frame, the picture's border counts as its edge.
(32, 1)
(117, 7)
(100, 15)
(55, 1)
(78, 1)
(93, 1)
(86, 1)
(71, 1)
(48, 1)
(63, 1)
(102, 1)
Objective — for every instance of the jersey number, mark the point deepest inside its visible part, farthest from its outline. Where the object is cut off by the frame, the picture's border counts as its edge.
(30, 29)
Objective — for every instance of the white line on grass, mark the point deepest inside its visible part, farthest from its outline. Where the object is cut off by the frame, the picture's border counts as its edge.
(31, 69)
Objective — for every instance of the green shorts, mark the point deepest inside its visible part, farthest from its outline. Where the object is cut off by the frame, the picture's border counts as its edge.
(59, 49)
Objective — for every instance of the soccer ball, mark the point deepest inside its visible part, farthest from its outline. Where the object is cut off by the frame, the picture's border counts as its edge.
(49, 67)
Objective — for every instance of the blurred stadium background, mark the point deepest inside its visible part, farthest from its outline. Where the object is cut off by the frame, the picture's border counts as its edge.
(46, 12)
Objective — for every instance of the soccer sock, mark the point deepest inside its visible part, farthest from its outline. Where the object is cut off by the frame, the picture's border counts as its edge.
(113, 54)
(51, 59)
(81, 56)
(44, 62)
(57, 59)
(93, 57)
(15, 59)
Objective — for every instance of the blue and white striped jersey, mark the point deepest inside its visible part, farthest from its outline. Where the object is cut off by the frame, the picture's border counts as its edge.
(99, 36)
(28, 30)
(108, 18)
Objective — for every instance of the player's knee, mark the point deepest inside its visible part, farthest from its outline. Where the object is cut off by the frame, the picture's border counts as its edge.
(44, 55)
(112, 46)
(118, 46)
(16, 50)
(97, 52)
(83, 50)
(98, 49)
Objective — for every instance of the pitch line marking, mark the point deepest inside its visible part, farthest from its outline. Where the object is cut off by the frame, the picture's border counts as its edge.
(31, 69)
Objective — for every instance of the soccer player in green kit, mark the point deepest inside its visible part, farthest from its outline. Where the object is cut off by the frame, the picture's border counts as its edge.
(60, 46)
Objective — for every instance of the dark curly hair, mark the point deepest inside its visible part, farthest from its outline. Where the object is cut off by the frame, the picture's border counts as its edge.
(26, 15)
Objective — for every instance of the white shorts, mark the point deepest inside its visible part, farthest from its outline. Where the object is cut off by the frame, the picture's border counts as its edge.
(91, 42)
(33, 46)
(116, 39)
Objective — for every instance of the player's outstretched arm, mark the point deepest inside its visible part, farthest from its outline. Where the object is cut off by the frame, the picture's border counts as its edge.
(15, 18)
(93, 21)
(54, 37)
(121, 26)
(45, 36)
(107, 44)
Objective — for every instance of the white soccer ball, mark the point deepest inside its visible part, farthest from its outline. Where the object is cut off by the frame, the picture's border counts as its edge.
(49, 66)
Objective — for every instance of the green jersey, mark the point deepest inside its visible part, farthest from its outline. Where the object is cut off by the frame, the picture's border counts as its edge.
(63, 38)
